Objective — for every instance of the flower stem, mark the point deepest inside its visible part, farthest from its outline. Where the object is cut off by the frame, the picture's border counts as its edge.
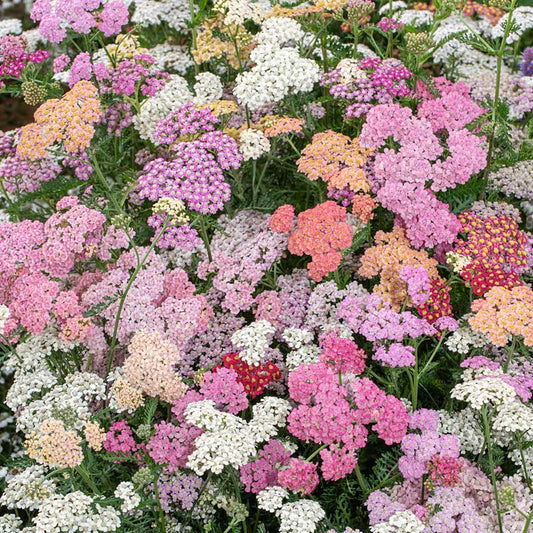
(205, 238)
(138, 268)
(488, 443)
(160, 509)
(496, 99)
(315, 453)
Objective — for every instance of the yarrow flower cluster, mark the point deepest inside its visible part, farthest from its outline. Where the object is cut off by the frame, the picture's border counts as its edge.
(266, 267)
(279, 70)
(69, 120)
(400, 176)
(194, 173)
(503, 313)
(322, 233)
(495, 252)
(337, 160)
(55, 18)
(365, 83)
(15, 56)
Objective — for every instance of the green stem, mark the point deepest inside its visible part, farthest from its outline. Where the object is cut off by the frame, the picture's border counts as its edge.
(488, 443)
(256, 521)
(205, 238)
(193, 34)
(414, 383)
(361, 479)
(433, 353)
(528, 522)
(315, 453)
(265, 166)
(138, 268)
(85, 475)
(323, 46)
(523, 460)
(254, 188)
(496, 100)
(291, 144)
(355, 39)
(160, 509)
(510, 350)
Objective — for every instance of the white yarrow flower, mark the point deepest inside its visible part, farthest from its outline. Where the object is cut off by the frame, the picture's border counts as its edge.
(253, 340)
(301, 516)
(271, 499)
(125, 491)
(400, 522)
(253, 144)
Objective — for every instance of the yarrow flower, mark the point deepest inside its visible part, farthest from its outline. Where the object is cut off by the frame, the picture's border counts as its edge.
(504, 312)
(342, 354)
(362, 84)
(269, 80)
(299, 476)
(496, 249)
(15, 56)
(82, 16)
(150, 366)
(397, 264)
(253, 144)
(254, 378)
(337, 160)
(194, 173)
(55, 446)
(321, 232)
(400, 176)
(253, 341)
(69, 121)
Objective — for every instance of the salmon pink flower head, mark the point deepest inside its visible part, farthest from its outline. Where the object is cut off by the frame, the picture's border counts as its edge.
(396, 261)
(322, 233)
(282, 220)
(503, 313)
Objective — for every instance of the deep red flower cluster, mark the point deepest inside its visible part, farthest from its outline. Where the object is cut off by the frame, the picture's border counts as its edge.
(253, 378)
(482, 279)
(497, 249)
(438, 303)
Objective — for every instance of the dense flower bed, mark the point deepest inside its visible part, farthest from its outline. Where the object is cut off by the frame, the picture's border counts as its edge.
(267, 267)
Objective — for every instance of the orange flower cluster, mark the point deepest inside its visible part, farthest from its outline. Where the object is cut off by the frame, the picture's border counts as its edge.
(125, 47)
(336, 159)
(125, 396)
(294, 12)
(386, 258)
(69, 120)
(55, 446)
(363, 206)
(504, 312)
(321, 232)
(274, 125)
(331, 5)
(221, 107)
(493, 14)
(282, 220)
